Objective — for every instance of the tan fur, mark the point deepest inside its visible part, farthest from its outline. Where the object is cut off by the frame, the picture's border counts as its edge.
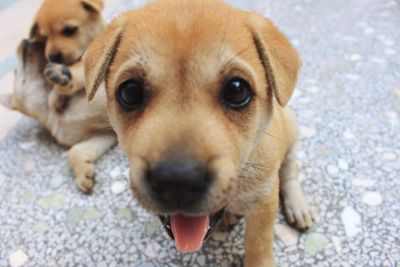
(51, 20)
(54, 15)
(184, 51)
(83, 127)
(60, 102)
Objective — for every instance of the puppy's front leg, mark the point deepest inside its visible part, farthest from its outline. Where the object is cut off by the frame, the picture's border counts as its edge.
(82, 157)
(297, 209)
(259, 236)
(66, 80)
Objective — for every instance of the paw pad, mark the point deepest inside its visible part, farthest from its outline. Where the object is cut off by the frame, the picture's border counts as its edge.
(58, 73)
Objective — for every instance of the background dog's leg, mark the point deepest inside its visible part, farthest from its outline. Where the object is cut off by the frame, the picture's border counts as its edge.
(66, 80)
(297, 210)
(82, 157)
(57, 102)
(259, 236)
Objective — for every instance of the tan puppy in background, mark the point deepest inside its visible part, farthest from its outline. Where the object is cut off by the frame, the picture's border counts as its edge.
(67, 28)
(197, 93)
(83, 127)
(60, 34)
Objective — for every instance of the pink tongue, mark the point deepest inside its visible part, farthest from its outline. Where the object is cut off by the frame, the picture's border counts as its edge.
(189, 232)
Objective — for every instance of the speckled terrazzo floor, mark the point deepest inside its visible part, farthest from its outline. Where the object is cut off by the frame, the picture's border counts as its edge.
(348, 104)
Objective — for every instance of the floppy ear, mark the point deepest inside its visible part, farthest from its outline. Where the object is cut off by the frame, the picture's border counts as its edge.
(99, 56)
(278, 57)
(93, 5)
(7, 101)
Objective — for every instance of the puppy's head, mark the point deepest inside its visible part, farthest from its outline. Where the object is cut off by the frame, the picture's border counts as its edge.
(67, 27)
(191, 88)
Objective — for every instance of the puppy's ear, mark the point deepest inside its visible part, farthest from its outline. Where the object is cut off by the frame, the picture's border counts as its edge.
(99, 56)
(93, 5)
(7, 101)
(34, 34)
(278, 57)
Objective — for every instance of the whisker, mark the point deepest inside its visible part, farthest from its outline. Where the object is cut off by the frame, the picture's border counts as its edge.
(260, 168)
(277, 138)
(252, 170)
(236, 55)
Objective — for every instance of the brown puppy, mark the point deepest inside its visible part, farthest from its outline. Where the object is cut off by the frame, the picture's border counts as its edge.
(83, 127)
(61, 32)
(66, 27)
(197, 93)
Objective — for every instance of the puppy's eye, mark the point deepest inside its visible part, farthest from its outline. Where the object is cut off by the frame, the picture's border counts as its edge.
(237, 93)
(69, 31)
(130, 95)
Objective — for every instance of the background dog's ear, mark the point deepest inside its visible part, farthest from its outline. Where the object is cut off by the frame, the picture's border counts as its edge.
(93, 5)
(7, 101)
(278, 57)
(34, 34)
(99, 56)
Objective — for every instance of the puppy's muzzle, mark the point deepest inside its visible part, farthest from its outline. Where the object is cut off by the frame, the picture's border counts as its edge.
(57, 57)
(179, 185)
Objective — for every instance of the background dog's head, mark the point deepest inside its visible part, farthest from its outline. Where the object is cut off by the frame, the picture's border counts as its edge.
(191, 88)
(67, 27)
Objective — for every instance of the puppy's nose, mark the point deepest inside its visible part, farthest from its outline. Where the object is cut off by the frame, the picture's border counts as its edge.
(56, 57)
(179, 184)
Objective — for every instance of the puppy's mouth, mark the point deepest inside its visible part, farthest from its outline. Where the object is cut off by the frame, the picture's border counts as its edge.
(189, 232)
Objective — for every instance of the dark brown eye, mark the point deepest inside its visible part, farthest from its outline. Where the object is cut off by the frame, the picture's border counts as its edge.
(69, 31)
(237, 93)
(130, 95)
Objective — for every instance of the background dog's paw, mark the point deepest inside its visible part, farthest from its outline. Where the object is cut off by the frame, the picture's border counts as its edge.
(297, 210)
(58, 74)
(85, 179)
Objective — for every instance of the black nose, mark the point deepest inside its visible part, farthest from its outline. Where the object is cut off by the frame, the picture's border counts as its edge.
(179, 184)
(56, 57)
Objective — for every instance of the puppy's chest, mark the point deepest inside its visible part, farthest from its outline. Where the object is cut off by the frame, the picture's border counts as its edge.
(255, 184)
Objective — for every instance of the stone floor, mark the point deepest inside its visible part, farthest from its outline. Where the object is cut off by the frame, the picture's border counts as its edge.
(347, 102)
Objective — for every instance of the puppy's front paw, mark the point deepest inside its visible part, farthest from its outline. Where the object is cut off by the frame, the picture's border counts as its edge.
(85, 178)
(58, 74)
(297, 210)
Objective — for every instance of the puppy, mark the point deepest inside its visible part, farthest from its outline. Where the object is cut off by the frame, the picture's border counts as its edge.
(197, 93)
(66, 27)
(83, 127)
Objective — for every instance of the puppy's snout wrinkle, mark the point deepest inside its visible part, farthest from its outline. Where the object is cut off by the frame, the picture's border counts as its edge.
(179, 185)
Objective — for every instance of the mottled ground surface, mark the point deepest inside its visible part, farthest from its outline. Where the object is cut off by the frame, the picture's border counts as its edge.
(348, 104)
